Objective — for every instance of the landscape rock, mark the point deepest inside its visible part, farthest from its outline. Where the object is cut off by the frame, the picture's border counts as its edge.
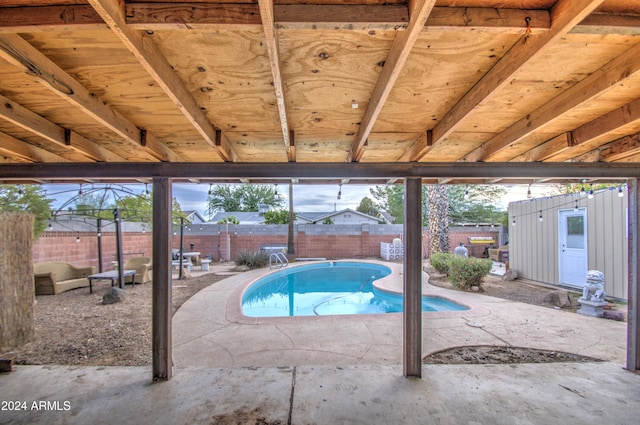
(613, 315)
(242, 268)
(510, 274)
(113, 295)
(559, 298)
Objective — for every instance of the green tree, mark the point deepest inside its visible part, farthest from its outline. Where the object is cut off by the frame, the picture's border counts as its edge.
(27, 198)
(139, 208)
(367, 207)
(277, 217)
(244, 197)
(230, 219)
(390, 198)
(475, 203)
(94, 204)
(327, 220)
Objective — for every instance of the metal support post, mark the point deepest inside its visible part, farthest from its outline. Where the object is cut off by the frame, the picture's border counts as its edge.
(412, 316)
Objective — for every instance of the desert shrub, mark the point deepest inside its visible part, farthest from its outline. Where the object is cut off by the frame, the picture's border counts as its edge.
(467, 272)
(252, 259)
(440, 262)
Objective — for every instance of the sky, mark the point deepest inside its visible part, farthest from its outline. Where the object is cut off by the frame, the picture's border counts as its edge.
(306, 198)
(193, 197)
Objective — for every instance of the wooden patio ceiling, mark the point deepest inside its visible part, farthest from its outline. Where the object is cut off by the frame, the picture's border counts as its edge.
(293, 82)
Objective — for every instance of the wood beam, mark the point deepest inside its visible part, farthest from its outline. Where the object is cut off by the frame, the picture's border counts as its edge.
(628, 114)
(20, 53)
(412, 268)
(394, 64)
(271, 40)
(212, 16)
(161, 291)
(565, 14)
(68, 144)
(606, 23)
(597, 83)
(149, 56)
(620, 148)
(25, 152)
(547, 150)
(362, 173)
(50, 18)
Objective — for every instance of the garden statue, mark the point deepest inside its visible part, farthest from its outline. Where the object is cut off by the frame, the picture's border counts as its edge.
(594, 287)
(461, 250)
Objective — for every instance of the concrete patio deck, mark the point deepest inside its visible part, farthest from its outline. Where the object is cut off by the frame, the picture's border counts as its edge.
(209, 330)
(343, 370)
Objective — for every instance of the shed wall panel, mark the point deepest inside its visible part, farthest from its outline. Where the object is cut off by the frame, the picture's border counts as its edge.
(533, 245)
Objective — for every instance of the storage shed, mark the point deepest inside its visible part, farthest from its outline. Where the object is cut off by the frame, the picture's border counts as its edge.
(557, 239)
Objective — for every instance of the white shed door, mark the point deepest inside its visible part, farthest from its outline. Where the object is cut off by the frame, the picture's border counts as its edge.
(573, 247)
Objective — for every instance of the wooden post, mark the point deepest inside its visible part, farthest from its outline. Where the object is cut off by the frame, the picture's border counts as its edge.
(412, 316)
(120, 257)
(181, 259)
(161, 298)
(633, 302)
(99, 234)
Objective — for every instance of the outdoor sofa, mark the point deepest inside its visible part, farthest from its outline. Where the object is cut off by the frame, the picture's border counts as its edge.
(54, 277)
(495, 254)
(142, 266)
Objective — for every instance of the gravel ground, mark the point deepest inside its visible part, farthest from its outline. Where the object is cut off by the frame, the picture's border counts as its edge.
(75, 328)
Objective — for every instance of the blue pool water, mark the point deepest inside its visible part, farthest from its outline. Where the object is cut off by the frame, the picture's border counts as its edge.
(328, 288)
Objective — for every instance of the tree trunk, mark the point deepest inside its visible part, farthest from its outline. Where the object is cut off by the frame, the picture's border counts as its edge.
(438, 216)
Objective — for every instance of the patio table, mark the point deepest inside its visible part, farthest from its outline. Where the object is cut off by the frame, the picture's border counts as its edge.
(111, 275)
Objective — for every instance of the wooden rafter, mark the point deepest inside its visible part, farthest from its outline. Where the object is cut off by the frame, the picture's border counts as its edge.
(150, 57)
(566, 14)
(547, 150)
(271, 39)
(69, 144)
(597, 83)
(16, 50)
(628, 114)
(621, 148)
(393, 66)
(25, 152)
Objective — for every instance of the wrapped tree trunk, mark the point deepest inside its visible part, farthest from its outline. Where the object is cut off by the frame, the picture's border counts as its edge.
(17, 293)
(438, 217)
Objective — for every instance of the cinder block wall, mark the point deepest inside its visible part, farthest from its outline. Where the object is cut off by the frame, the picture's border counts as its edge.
(325, 241)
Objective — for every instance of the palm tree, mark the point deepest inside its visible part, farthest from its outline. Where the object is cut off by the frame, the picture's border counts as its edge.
(438, 217)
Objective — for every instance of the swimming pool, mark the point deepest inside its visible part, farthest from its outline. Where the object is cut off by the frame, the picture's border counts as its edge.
(329, 288)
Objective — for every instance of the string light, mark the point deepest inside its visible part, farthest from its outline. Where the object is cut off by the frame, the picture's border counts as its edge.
(529, 192)
(275, 193)
(514, 221)
(78, 238)
(573, 202)
(80, 190)
(146, 188)
(540, 219)
(340, 191)
(50, 226)
(20, 191)
(210, 189)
